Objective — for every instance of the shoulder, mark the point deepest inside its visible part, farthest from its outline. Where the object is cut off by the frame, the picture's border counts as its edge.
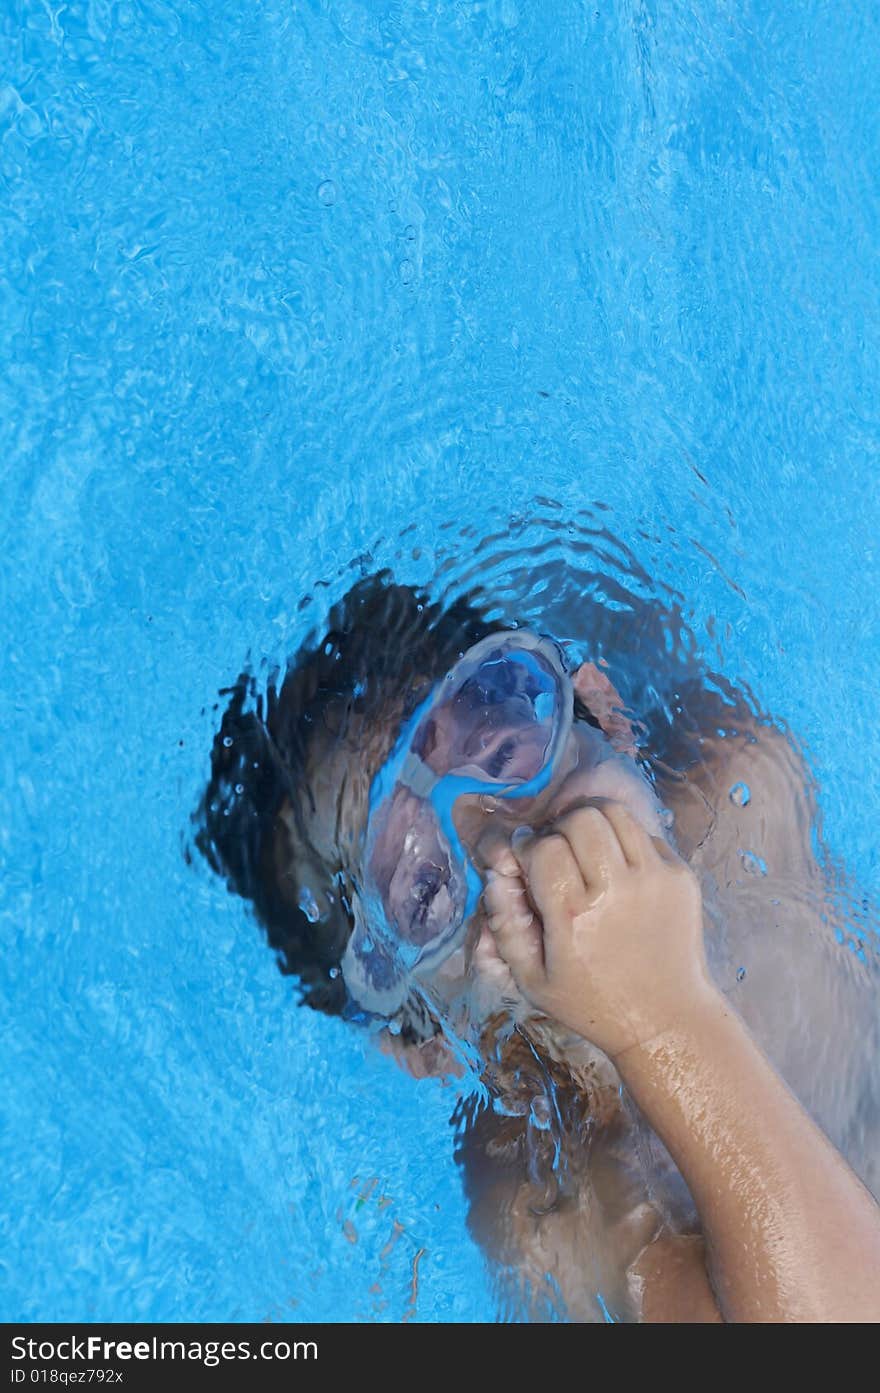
(738, 787)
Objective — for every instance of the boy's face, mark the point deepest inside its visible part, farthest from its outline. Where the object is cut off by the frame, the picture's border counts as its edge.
(472, 982)
(474, 978)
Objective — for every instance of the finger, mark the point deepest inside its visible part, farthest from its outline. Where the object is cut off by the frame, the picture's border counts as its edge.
(594, 844)
(634, 840)
(554, 879)
(492, 852)
(516, 929)
(485, 951)
(666, 852)
(490, 967)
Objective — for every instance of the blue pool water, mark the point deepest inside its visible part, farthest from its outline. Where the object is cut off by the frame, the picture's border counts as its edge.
(294, 290)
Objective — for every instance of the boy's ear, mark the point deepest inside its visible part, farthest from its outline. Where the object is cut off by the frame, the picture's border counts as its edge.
(430, 1059)
(604, 702)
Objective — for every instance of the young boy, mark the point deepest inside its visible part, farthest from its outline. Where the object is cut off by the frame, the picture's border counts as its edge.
(361, 809)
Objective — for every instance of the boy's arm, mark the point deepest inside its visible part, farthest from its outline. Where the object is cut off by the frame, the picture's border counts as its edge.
(601, 926)
(792, 1234)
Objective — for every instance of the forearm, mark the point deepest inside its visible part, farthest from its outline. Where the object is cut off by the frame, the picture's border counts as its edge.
(792, 1234)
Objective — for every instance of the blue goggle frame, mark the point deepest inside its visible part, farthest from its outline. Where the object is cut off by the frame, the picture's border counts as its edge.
(379, 962)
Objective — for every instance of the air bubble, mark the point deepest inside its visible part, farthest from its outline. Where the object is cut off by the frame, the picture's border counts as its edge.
(541, 1111)
(239, 788)
(227, 741)
(333, 974)
(309, 905)
(406, 271)
(327, 193)
(409, 233)
(488, 804)
(752, 863)
(667, 818)
(741, 795)
(740, 974)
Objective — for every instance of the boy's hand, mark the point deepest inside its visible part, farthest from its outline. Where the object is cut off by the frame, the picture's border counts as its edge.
(601, 926)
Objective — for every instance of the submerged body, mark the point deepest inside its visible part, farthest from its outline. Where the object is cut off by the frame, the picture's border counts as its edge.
(578, 1232)
(577, 1200)
(573, 1197)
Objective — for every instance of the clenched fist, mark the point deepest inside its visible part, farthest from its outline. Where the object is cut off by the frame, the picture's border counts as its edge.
(601, 926)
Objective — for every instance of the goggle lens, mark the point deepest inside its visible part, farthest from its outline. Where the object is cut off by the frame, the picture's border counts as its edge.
(499, 719)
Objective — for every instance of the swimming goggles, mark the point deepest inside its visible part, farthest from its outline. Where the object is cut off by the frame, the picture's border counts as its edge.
(496, 724)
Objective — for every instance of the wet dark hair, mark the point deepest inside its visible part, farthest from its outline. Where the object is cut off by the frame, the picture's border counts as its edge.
(383, 642)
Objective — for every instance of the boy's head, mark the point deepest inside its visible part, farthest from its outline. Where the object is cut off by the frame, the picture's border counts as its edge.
(285, 807)
(285, 814)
